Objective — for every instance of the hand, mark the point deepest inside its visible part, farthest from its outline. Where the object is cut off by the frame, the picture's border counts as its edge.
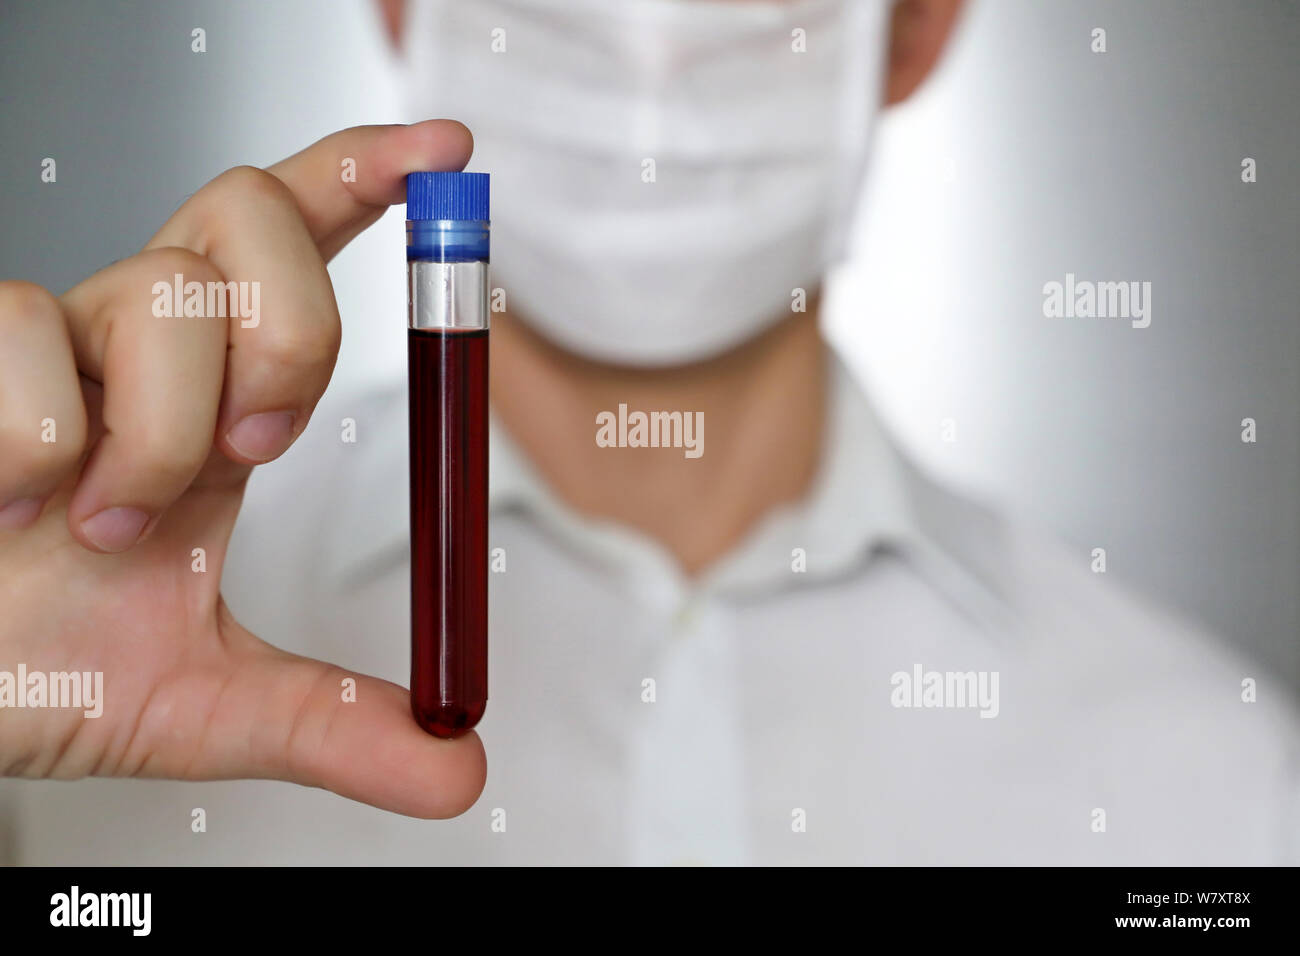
(156, 424)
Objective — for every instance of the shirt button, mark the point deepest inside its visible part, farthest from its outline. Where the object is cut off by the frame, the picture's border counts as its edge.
(686, 614)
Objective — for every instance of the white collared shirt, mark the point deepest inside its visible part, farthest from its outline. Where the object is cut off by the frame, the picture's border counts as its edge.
(793, 712)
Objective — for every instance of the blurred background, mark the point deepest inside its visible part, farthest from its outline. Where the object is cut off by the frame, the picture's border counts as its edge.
(1027, 157)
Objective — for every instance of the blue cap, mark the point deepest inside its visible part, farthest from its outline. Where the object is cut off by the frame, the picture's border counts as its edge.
(461, 196)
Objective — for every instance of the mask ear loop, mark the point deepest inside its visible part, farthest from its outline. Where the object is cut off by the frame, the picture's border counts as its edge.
(862, 63)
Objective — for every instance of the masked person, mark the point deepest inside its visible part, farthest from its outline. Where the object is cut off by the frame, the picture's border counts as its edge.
(791, 647)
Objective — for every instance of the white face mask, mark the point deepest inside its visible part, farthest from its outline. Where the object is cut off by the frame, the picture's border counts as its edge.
(665, 173)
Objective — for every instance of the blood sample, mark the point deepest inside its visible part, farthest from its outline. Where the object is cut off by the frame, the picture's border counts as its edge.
(447, 354)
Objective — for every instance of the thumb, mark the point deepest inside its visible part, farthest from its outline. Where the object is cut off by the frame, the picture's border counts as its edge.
(283, 717)
(345, 182)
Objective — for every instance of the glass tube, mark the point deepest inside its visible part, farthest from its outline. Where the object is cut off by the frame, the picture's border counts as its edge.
(447, 355)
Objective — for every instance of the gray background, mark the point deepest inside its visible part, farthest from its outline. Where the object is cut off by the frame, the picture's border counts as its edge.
(1027, 157)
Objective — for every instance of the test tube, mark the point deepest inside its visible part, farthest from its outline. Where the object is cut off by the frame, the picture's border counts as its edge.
(447, 361)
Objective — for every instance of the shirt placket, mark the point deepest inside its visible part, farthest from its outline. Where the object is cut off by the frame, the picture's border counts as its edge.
(686, 758)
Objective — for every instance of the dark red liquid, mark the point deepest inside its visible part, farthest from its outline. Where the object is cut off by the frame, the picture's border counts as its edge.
(449, 560)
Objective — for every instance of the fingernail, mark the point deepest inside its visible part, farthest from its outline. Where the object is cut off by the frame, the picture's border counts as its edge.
(20, 513)
(263, 436)
(115, 529)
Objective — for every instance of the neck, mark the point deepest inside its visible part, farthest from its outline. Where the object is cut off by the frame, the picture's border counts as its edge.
(764, 405)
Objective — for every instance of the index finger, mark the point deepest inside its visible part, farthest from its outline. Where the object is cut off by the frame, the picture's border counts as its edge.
(346, 181)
